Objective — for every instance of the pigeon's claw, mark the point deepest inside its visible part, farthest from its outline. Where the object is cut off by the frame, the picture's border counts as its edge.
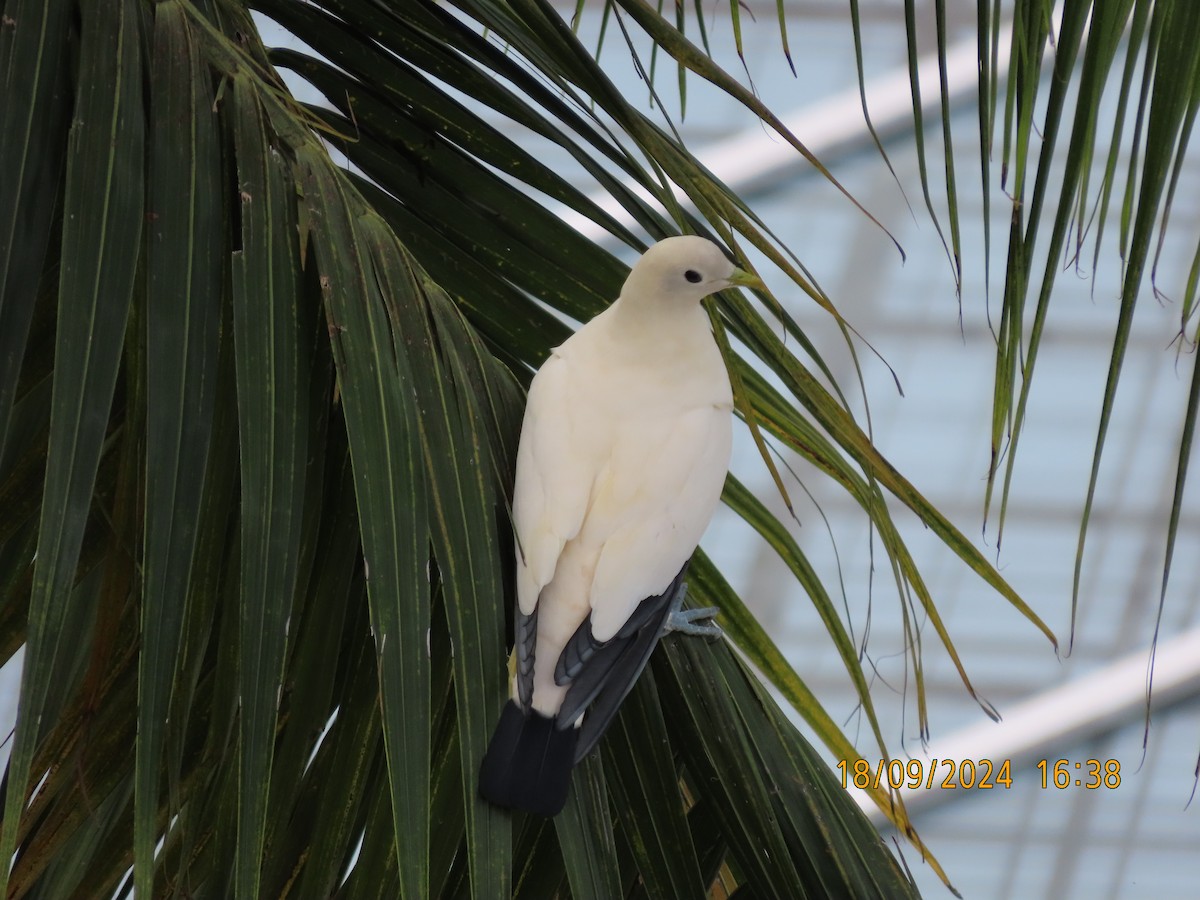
(691, 621)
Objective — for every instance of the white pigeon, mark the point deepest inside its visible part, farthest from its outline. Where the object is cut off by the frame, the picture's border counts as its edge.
(623, 455)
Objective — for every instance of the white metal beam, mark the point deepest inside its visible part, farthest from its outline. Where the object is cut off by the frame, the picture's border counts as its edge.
(1048, 724)
(757, 157)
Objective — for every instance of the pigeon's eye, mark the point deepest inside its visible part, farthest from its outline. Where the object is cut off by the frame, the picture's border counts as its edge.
(693, 276)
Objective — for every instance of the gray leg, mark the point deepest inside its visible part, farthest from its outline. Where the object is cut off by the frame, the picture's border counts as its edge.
(690, 621)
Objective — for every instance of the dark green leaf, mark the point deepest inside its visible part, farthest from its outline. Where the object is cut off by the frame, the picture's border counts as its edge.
(184, 262)
(101, 225)
(271, 330)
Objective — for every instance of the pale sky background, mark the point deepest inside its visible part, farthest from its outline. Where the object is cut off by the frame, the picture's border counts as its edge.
(1138, 840)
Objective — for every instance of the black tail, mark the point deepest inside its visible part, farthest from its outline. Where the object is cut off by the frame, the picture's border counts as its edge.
(528, 763)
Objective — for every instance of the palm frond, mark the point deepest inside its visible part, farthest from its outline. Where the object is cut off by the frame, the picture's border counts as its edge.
(258, 411)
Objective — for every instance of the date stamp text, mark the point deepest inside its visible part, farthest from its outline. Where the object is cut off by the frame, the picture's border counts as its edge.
(975, 774)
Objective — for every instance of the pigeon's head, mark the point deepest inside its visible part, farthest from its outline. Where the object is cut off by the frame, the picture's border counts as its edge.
(686, 268)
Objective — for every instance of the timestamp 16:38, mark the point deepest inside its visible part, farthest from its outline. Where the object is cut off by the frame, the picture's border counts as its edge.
(975, 774)
(1088, 773)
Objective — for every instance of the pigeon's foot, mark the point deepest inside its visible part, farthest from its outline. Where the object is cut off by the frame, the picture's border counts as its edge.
(691, 621)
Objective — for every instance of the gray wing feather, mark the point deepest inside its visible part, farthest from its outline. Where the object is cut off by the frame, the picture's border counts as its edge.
(526, 640)
(602, 674)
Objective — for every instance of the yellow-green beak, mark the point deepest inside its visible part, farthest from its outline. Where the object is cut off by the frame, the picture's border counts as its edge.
(742, 278)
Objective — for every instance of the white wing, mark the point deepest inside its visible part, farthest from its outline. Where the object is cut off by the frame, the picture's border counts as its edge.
(650, 506)
(554, 477)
